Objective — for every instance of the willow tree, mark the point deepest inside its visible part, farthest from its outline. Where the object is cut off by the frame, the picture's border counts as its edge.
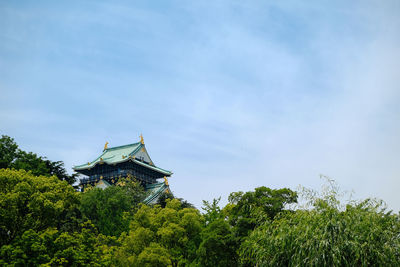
(327, 234)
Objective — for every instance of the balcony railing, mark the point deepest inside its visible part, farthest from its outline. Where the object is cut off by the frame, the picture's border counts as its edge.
(115, 175)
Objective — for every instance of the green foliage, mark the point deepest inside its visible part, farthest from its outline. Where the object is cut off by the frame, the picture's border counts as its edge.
(218, 244)
(153, 256)
(14, 158)
(57, 168)
(34, 202)
(8, 151)
(44, 221)
(185, 203)
(172, 232)
(360, 235)
(51, 247)
(39, 223)
(247, 207)
(110, 209)
(133, 189)
(164, 197)
(30, 162)
(226, 229)
(248, 210)
(212, 211)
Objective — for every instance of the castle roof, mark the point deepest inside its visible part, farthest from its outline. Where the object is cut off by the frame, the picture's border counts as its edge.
(135, 152)
(156, 190)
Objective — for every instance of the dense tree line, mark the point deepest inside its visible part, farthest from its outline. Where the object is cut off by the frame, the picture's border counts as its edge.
(11, 156)
(45, 221)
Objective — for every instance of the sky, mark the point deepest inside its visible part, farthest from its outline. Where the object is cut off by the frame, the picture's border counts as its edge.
(229, 95)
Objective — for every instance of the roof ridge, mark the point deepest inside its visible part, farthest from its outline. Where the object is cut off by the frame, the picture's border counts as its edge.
(117, 147)
(101, 155)
(150, 166)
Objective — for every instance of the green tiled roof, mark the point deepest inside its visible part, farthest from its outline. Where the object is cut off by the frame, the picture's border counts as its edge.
(103, 184)
(155, 191)
(119, 154)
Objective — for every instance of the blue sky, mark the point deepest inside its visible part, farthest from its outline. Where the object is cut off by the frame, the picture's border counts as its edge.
(229, 95)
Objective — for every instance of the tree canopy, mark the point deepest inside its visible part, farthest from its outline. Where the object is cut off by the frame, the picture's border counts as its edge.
(45, 221)
(29, 202)
(360, 234)
(171, 232)
(110, 209)
(14, 158)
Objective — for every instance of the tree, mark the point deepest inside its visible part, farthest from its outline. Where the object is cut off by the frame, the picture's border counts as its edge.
(162, 200)
(172, 231)
(359, 234)
(14, 158)
(110, 209)
(30, 162)
(212, 211)
(51, 247)
(57, 168)
(218, 244)
(34, 202)
(8, 151)
(245, 209)
(40, 223)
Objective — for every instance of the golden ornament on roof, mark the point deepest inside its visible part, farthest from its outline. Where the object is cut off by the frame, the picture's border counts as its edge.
(105, 146)
(141, 139)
